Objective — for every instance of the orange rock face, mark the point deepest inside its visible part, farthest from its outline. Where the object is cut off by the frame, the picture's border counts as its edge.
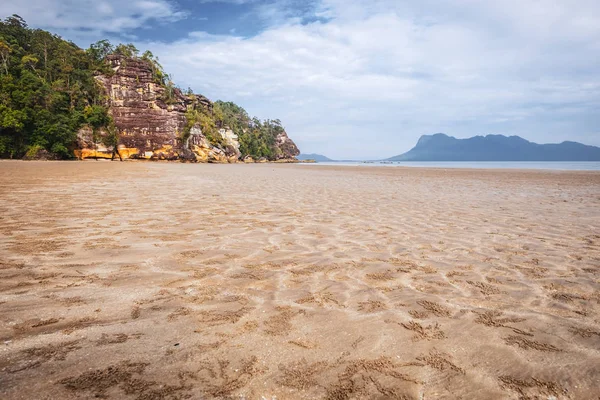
(149, 119)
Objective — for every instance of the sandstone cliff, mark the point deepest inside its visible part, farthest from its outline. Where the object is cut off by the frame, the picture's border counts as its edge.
(151, 121)
(286, 146)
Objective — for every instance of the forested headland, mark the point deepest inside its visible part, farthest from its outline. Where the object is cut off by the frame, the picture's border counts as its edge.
(49, 91)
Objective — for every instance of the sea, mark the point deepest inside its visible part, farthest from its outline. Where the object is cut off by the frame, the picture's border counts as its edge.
(541, 165)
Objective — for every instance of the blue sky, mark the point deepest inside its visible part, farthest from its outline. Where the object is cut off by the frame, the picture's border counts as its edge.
(365, 79)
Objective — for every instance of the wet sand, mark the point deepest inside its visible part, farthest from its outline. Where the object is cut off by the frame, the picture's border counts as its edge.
(174, 281)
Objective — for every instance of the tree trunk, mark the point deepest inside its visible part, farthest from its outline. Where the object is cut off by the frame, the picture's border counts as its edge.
(46, 59)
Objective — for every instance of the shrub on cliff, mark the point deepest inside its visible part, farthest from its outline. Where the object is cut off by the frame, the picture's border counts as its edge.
(207, 122)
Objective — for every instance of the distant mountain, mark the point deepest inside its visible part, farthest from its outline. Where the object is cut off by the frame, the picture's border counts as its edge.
(316, 157)
(441, 147)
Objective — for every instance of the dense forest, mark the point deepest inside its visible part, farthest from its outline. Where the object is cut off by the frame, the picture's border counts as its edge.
(48, 92)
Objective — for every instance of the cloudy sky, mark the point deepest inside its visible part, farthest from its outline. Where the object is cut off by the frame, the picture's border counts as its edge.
(364, 79)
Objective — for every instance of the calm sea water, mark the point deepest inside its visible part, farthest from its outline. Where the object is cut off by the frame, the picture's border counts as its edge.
(548, 165)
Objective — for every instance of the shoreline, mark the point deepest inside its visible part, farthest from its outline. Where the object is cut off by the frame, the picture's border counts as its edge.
(380, 168)
(320, 166)
(358, 166)
(478, 165)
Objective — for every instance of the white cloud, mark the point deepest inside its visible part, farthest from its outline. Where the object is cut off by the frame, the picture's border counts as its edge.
(377, 77)
(76, 19)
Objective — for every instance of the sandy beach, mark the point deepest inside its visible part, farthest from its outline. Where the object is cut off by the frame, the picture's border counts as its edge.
(183, 281)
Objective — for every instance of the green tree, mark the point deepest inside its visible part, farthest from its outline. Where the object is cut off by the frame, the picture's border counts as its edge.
(4, 53)
(126, 50)
(99, 50)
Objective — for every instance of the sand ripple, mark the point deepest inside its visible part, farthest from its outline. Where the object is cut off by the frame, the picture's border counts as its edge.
(155, 280)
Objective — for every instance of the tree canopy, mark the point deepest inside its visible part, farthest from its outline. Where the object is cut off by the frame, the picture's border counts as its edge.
(46, 86)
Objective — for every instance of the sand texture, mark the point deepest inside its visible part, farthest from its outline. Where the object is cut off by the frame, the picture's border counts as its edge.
(179, 281)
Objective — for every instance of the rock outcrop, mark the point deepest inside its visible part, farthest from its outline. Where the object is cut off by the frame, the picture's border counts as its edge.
(151, 120)
(288, 149)
(203, 151)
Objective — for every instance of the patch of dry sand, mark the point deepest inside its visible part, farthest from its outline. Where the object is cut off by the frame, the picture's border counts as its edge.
(171, 281)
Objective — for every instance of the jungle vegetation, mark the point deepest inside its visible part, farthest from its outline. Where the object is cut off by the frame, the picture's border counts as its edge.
(48, 92)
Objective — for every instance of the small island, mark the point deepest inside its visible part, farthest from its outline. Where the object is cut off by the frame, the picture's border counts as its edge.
(441, 147)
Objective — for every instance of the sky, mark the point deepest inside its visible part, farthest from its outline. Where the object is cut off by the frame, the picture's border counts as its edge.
(364, 79)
